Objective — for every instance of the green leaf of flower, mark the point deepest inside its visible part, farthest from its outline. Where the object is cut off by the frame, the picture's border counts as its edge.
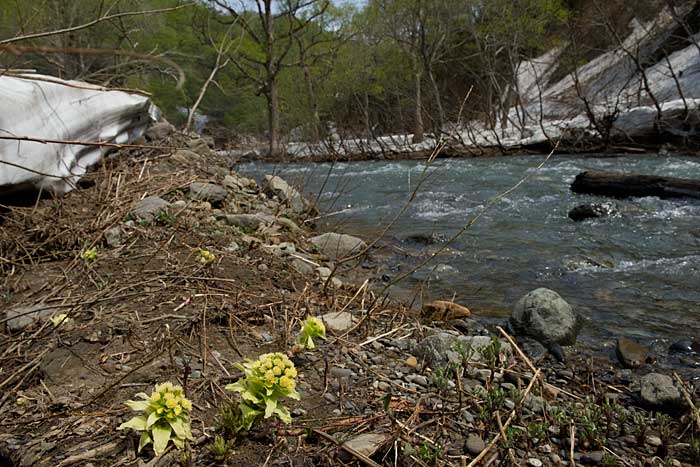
(270, 406)
(137, 423)
(145, 440)
(249, 415)
(152, 418)
(161, 436)
(138, 406)
(178, 442)
(181, 428)
(283, 414)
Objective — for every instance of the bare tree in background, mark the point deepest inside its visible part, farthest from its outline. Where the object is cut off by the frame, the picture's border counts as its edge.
(270, 34)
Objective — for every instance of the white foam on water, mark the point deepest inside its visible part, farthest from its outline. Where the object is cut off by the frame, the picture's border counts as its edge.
(683, 265)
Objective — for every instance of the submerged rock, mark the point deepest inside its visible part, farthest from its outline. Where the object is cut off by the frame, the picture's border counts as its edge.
(543, 315)
(630, 353)
(685, 346)
(593, 211)
(595, 260)
(337, 246)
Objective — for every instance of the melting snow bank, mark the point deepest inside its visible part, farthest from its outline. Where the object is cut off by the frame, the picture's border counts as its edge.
(47, 108)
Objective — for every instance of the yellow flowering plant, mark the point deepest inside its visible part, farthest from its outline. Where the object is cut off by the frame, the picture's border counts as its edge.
(164, 418)
(89, 255)
(205, 257)
(311, 327)
(267, 379)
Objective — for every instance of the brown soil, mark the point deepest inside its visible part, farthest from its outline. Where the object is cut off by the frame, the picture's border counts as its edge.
(147, 312)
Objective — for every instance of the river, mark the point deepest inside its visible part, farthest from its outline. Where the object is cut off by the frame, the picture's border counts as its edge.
(636, 274)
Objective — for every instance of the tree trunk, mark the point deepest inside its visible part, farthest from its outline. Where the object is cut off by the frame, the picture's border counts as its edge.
(438, 101)
(418, 123)
(273, 118)
(624, 186)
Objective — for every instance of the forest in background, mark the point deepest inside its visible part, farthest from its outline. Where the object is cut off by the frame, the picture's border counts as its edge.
(264, 70)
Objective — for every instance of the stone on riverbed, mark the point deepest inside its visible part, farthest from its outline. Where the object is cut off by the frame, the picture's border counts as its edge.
(659, 392)
(148, 208)
(630, 353)
(339, 322)
(444, 310)
(543, 315)
(592, 211)
(442, 348)
(276, 186)
(337, 246)
(210, 192)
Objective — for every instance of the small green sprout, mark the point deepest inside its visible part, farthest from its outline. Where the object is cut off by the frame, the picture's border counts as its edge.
(89, 255)
(311, 327)
(205, 257)
(165, 418)
(267, 379)
(59, 319)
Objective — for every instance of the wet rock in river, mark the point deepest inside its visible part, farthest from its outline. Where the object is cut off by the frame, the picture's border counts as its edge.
(593, 260)
(630, 353)
(688, 346)
(592, 211)
(543, 315)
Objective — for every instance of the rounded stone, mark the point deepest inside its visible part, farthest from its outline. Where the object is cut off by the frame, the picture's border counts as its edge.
(543, 315)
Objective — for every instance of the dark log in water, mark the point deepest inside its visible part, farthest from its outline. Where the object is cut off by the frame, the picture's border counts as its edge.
(618, 185)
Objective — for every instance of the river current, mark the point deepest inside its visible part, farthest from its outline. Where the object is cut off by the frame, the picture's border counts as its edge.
(635, 274)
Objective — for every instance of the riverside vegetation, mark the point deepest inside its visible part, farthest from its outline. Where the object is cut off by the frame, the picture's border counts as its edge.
(198, 270)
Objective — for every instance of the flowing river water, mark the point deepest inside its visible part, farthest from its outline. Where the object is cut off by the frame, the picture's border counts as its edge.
(635, 274)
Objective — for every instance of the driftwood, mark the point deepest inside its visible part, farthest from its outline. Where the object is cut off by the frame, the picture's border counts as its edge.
(618, 185)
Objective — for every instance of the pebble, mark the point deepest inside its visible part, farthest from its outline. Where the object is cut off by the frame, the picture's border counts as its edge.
(383, 386)
(418, 379)
(592, 458)
(534, 462)
(474, 444)
(330, 398)
(411, 362)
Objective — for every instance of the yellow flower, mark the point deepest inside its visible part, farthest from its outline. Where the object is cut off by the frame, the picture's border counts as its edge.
(177, 410)
(186, 404)
(287, 383)
(155, 397)
(290, 372)
(170, 403)
(277, 371)
(159, 411)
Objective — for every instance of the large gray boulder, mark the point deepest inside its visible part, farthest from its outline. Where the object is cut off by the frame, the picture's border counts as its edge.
(543, 315)
(275, 186)
(337, 246)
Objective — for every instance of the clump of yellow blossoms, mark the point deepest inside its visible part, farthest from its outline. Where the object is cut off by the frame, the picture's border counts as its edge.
(165, 418)
(267, 379)
(205, 257)
(89, 255)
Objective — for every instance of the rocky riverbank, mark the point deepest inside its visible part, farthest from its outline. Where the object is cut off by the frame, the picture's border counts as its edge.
(171, 267)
